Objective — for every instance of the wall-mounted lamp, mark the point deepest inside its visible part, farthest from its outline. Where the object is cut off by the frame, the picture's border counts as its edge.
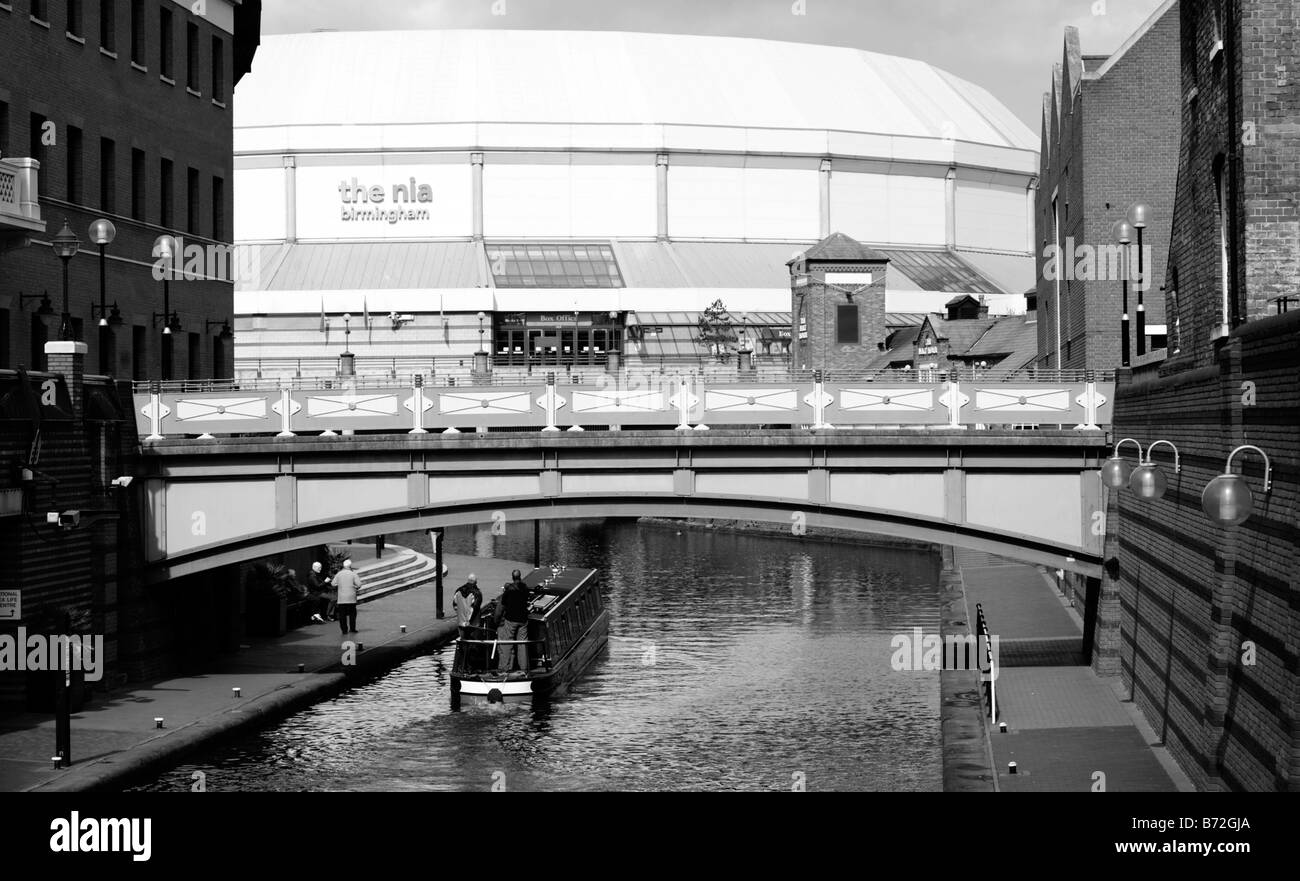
(226, 333)
(44, 312)
(1227, 499)
(1115, 473)
(1147, 480)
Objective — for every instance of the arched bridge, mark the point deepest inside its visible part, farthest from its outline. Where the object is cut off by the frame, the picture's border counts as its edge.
(1028, 495)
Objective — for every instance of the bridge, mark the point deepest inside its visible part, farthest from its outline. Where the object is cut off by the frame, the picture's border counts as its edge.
(302, 464)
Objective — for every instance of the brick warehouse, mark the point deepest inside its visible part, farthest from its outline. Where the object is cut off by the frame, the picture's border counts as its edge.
(1109, 138)
(1209, 616)
(98, 102)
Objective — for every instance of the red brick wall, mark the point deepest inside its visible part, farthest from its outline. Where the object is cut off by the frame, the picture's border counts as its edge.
(818, 305)
(1117, 143)
(75, 84)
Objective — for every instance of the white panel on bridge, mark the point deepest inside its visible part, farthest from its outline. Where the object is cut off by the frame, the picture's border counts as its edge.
(472, 487)
(920, 494)
(351, 406)
(747, 400)
(787, 487)
(321, 498)
(220, 409)
(617, 481)
(510, 403)
(1044, 506)
(214, 512)
(891, 400)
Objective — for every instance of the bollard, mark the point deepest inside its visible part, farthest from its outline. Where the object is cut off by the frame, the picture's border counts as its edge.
(157, 721)
(361, 647)
(57, 760)
(403, 628)
(236, 691)
(1002, 727)
(302, 668)
(1011, 767)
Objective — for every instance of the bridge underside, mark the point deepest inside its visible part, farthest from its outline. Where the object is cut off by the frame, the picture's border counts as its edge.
(1032, 497)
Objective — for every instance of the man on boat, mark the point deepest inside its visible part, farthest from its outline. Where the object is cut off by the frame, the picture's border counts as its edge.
(513, 625)
(468, 602)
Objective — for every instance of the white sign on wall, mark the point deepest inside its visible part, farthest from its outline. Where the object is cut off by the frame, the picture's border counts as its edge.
(11, 605)
(383, 201)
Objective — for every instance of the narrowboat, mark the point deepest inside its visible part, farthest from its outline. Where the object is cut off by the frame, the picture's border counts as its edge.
(567, 628)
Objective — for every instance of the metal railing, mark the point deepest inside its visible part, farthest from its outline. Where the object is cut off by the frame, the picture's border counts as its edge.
(990, 675)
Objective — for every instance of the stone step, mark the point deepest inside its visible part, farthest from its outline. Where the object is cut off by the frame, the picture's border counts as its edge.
(400, 569)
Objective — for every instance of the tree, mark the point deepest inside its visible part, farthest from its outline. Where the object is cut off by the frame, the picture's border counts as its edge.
(717, 330)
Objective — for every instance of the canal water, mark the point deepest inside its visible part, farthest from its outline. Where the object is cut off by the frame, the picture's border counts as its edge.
(736, 662)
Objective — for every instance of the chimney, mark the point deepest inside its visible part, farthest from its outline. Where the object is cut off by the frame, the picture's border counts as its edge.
(984, 308)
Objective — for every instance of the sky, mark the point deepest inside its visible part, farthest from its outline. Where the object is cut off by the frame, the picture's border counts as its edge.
(1006, 46)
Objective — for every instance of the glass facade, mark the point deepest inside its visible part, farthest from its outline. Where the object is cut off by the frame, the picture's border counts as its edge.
(554, 265)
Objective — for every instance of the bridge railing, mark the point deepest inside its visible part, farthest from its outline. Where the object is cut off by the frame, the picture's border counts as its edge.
(572, 401)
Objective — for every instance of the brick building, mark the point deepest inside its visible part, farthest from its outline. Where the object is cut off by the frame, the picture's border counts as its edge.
(1109, 139)
(126, 106)
(118, 111)
(1201, 620)
(838, 305)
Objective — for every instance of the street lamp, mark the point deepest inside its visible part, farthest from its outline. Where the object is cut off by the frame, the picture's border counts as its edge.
(102, 232)
(1115, 473)
(164, 250)
(1227, 499)
(1147, 480)
(1123, 234)
(481, 316)
(65, 244)
(1138, 214)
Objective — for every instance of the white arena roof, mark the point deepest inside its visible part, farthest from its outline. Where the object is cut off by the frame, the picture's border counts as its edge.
(630, 82)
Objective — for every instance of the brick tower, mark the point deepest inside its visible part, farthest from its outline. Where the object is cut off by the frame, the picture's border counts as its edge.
(837, 293)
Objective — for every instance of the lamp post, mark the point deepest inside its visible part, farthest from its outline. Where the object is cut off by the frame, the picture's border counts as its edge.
(1227, 499)
(65, 245)
(102, 232)
(1138, 214)
(481, 316)
(164, 250)
(1123, 234)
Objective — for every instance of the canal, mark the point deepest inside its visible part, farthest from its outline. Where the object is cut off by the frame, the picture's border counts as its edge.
(736, 662)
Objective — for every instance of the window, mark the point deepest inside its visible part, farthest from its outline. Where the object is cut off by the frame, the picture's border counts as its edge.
(74, 166)
(74, 17)
(139, 352)
(35, 141)
(137, 32)
(4, 129)
(108, 25)
(554, 265)
(138, 174)
(166, 37)
(218, 70)
(846, 324)
(39, 336)
(195, 353)
(40, 10)
(165, 193)
(218, 357)
(192, 201)
(219, 209)
(108, 175)
(192, 55)
(4, 339)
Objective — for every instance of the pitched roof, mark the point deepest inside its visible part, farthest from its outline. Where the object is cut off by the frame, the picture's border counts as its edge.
(838, 246)
(961, 333)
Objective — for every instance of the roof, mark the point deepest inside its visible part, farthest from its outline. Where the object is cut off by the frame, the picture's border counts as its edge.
(366, 265)
(839, 247)
(941, 271)
(961, 298)
(569, 77)
(961, 333)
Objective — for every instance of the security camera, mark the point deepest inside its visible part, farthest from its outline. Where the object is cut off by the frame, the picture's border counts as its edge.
(66, 520)
(123, 482)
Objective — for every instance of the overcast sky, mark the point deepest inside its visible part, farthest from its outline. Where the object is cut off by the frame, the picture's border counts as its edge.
(1006, 46)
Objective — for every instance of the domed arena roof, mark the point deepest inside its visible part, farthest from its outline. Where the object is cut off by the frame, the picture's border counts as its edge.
(593, 78)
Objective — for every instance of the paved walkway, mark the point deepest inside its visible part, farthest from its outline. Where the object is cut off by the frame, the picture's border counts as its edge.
(115, 737)
(1067, 729)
